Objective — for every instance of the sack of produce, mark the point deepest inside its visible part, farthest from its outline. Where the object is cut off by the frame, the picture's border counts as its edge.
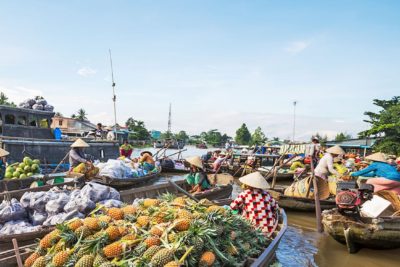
(42, 102)
(110, 203)
(57, 205)
(81, 204)
(37, 107)
(97, 192)
(17, 227)
(62, 217)
(38, 218)
(48, 108)
(12, 210)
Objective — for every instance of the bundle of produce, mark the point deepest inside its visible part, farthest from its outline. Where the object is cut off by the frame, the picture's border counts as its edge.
(48, 208)
(119, 168)
(88, 169)
(37, 103)
(153, 232)
(24, 169)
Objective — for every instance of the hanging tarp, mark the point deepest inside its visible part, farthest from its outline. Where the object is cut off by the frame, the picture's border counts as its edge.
(294, 149)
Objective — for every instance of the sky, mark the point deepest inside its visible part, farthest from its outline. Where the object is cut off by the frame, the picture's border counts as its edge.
(220, 63)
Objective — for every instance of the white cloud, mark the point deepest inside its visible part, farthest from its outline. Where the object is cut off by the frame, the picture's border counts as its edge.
(86, 71)
(297, 46)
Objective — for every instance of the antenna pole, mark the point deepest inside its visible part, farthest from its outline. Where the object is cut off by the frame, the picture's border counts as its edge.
(114, 98)
(294, 119)
(169, 120)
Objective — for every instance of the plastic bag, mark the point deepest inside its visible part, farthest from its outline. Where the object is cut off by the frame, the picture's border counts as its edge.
(110, 203)
(48, 108)
(12, 210)
(95, 192)
(37, 107)
(38, 218)
(82, 204)
(42, 102)
(57, 205)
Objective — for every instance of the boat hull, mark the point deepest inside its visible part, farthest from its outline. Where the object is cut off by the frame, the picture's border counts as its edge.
(121, 183)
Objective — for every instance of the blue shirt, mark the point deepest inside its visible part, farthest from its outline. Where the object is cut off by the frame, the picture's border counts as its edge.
(379, 169)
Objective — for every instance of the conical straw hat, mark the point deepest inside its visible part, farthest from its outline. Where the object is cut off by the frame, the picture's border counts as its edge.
(195, 161)
(377, 157)
(79, 143)
(4, 153)
(255, 180)
(335, 150)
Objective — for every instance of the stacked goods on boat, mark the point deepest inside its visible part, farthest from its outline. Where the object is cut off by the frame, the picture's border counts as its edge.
(170, 231)
(88, 169)
(122, 168)
(24, 169)
(36, 210)
(37, 103)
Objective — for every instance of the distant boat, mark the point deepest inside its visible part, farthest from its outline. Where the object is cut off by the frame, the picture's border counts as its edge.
(169, 143)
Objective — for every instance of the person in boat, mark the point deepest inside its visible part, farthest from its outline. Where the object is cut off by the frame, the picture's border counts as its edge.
(339, 166)
(314, 150)
(256, 204)
(218, 162)
(110, 134)
(297, 162)
(381, 174)
(147, 161)
(76, 154)
(99, 131)
(197, 178)
(325, 165)
(3, 162)
(206, 157)
(126, 149)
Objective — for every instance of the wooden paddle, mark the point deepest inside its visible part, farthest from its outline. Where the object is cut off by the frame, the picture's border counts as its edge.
(59, 164)
(180, 151)
(180, 189)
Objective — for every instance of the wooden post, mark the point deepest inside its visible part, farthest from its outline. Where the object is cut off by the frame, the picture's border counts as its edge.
(17, 255)
(316, 198)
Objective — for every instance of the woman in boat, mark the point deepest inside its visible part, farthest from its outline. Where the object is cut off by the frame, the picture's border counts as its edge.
(76, 154)
(126, 149)
(256, 204)
(197, 178)
(3, 162)
(325, 165)
(218, 162)
(147, 161)
(383, 175)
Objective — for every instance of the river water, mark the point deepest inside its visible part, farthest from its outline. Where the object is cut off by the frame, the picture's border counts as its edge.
(303, 246)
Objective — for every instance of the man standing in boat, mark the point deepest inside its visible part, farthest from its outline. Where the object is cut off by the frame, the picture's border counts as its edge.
(325, 165)
(76, 154)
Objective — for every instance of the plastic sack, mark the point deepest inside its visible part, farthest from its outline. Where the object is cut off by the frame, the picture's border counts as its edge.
(97, 192)
(61, 217)
(57, 205)
(111, 203)
(38, 218)
(12, 210)
(42, 102)
(17, 227)
(37, 107)
(82, 204)
(48, 108)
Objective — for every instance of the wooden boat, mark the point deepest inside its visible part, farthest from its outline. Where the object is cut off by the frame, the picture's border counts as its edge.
(379, 233)
(152, 191)
(17, 187)
(267, 257)
(298, 203)
(120, 183)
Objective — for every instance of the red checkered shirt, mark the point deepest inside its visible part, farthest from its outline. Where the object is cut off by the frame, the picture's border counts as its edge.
(257, 206)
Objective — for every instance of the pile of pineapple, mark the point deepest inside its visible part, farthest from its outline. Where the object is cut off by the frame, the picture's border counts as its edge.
(166, 232)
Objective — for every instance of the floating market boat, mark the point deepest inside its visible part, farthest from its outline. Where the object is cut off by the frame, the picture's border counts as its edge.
(120, 183)
(299, 203)
(152, 191)
(355, 233)
(15, 188)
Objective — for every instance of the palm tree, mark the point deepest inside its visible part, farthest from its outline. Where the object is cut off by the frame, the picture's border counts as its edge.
(3, 99)
(73, 116)
(81, 114)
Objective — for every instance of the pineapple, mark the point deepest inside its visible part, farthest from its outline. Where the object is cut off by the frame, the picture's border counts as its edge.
(31, 259)
(107, 264)
(180, 201)
(83, 231)
(151, 202)
(184, 214)
(162, 257)
(40, 262)
(60, 258)
(123, 230)
(198, 245)
(98, 260)
(104, 218)
(150, 252)
(48, 240)
(129, 237)
(75, 224)
(232, 250)
(173, 264)
(215, 208)
(92, 223)
(115, 213)
(113, 250)
(113, 233)
(152, 241)
(182, 224)
(85, 261)
(207, 259)
(59, 246)
(157, 230)
(128, 210)
(143, 220)
(172, 237)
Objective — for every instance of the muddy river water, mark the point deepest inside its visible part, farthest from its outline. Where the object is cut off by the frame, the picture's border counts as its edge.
(303, 246)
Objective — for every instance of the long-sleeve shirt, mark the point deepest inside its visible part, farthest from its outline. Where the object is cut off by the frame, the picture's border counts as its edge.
(379, 169)
(325, 166)
(76, 157)
(257, 206)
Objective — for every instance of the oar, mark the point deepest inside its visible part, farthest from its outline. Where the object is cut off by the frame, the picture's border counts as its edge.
(180, 189)
(180, 151)
(59, 164)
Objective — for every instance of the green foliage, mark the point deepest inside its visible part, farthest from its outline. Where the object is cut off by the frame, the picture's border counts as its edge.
(139, 130)
(340, 137)
(182, 135)
(258, 137)
(243, 136)
(322, 139)
(386, 124)
(80, 115)
(212, 137)
(4, 100)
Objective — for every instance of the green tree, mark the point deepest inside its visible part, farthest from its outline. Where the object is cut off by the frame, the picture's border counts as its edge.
(243, 136)
(385, 124)
(214, 137)
(4, 100)
(182, 135)
(81, 115)
(340, 137)
(138, 128)
(258, 137)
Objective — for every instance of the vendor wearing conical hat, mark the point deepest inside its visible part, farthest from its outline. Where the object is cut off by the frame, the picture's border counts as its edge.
(325, 165)
(385, 176)
(256, 204)
(197, 178)
(76, 154)
(3, 162)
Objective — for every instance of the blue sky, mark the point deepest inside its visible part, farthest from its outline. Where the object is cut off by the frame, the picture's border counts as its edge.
(219, 63)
